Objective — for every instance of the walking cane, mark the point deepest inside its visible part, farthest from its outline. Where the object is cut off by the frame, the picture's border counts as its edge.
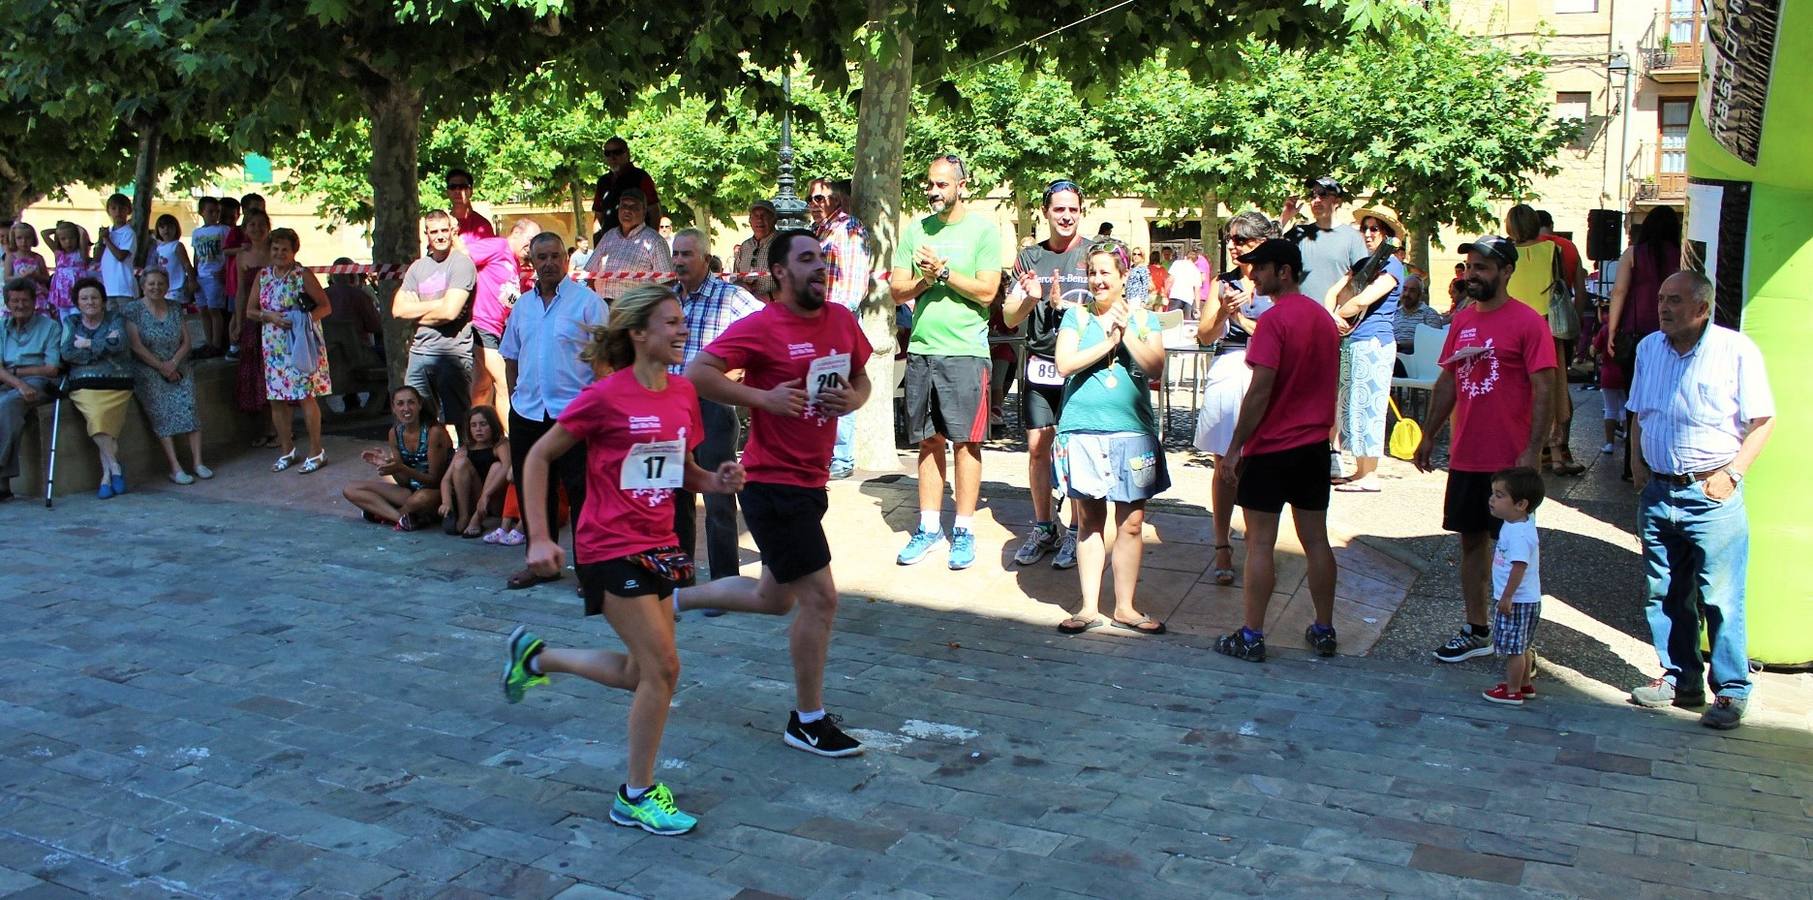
(56, 422)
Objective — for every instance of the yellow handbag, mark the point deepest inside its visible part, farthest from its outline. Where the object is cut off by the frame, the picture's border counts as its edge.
(1406, 435)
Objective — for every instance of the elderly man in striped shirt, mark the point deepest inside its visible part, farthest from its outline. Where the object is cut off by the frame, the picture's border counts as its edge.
(1702, 414)
(710, 305)
(846, 244)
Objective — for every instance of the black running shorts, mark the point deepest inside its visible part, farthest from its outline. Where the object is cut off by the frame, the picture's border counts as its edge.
(787, 524)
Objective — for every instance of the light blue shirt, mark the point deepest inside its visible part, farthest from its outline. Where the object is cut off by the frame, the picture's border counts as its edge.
(545, 338)
(1694, 408)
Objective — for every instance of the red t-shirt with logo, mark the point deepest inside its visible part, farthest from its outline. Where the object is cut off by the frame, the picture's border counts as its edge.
(778, 345)
(612, 417)
(1492, 397)
(1297, 339)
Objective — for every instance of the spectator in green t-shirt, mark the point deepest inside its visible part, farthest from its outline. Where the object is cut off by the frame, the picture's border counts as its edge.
(950, 263)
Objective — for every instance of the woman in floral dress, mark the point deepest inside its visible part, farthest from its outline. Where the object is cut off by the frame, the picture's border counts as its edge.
(163, 378)
(291, 305)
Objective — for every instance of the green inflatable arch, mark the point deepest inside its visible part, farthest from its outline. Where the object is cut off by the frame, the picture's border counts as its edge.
(1750, 223)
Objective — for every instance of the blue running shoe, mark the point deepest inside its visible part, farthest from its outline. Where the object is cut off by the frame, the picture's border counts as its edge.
(963, 548)
(655, 813)
(118, 481)
(921, 546)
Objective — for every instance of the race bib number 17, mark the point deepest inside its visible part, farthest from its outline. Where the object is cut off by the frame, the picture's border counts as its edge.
(654, 465)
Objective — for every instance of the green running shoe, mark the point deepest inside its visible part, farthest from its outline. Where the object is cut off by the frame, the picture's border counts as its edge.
(517, 677)
(655, 813)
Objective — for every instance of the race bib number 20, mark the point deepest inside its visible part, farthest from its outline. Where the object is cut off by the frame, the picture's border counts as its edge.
(827, 371)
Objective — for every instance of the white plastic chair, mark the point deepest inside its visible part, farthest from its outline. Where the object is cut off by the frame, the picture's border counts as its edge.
(1422, 365)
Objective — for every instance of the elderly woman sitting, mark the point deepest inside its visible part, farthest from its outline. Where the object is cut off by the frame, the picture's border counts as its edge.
(96, 346)
(30, 355)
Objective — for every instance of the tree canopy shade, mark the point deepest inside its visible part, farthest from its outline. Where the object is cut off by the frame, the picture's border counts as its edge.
(103, 90)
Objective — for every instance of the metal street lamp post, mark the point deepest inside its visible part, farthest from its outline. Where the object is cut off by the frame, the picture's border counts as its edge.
(789, 209)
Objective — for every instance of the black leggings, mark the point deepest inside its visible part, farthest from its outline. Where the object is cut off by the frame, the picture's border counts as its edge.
(568, 469)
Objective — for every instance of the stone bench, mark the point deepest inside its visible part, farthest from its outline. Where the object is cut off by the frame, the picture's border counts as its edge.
(225, 432)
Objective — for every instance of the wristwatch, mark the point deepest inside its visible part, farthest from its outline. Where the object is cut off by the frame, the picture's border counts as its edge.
(1736, 477)
(943, 276)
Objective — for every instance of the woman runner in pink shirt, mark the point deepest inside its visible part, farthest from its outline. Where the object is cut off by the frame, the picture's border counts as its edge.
(639, 426)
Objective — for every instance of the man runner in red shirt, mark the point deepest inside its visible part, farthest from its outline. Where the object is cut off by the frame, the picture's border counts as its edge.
(802, 362)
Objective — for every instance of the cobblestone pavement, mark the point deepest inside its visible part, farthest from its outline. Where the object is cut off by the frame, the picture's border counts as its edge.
(208, 697)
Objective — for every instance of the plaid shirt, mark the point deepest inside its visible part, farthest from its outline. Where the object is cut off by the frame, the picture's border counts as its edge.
(846, 244)
(642, 250)
(709, 310)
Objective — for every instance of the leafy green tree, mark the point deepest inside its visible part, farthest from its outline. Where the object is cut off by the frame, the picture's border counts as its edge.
(116, 89)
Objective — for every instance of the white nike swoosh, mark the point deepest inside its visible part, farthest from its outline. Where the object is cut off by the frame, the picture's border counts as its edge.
(810, 739)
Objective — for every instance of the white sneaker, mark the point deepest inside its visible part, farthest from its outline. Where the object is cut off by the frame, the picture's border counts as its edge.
(204, 473)
(182, 478)
(1608, 447)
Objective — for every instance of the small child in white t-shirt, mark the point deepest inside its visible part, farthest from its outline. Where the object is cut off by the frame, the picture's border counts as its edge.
(1516, 581)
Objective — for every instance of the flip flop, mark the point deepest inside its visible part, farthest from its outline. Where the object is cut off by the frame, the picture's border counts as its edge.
(1078, 625)
(526, 578)
(1158, 627)
(1355, 487)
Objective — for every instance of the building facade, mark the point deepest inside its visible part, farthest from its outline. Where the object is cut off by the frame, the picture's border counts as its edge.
(1627, 71)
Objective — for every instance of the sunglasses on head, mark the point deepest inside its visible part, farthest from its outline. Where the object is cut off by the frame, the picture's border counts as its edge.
(955, 160)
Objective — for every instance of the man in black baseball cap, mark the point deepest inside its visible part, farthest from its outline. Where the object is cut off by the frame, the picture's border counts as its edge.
(1329, 250)
(1490, 246)
(1498, 371)
(1278, 454)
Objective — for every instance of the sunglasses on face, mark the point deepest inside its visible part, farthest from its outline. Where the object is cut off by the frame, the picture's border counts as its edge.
(459, 187)
(1324, 195)
(1373, 229)
(819, 198)
(618, 151)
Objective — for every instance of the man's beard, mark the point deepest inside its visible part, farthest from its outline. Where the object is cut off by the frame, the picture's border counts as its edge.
(807, 298)
(1479, 290)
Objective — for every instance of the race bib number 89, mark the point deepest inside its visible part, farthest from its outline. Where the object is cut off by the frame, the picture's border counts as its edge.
(1040, 370)
(654, 465)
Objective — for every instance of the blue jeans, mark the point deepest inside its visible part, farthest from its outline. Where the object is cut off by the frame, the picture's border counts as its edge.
(843, 456)
(1695, 553)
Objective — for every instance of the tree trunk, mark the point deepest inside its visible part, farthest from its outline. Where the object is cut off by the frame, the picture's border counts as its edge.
(1419, 247)
(144, 189)
(701, 217)
(1023, 223)
(579, 211)
(880, 133)
(15, 196)
(1211, 230)
(396, 123)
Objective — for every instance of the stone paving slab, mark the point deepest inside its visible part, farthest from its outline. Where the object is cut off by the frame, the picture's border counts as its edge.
(272, 703)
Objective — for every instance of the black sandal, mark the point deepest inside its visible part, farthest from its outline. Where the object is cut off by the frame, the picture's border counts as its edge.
(1078, 625)
(1157, 626)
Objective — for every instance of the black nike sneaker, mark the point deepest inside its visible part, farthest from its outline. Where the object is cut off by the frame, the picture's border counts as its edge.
(822, 737)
